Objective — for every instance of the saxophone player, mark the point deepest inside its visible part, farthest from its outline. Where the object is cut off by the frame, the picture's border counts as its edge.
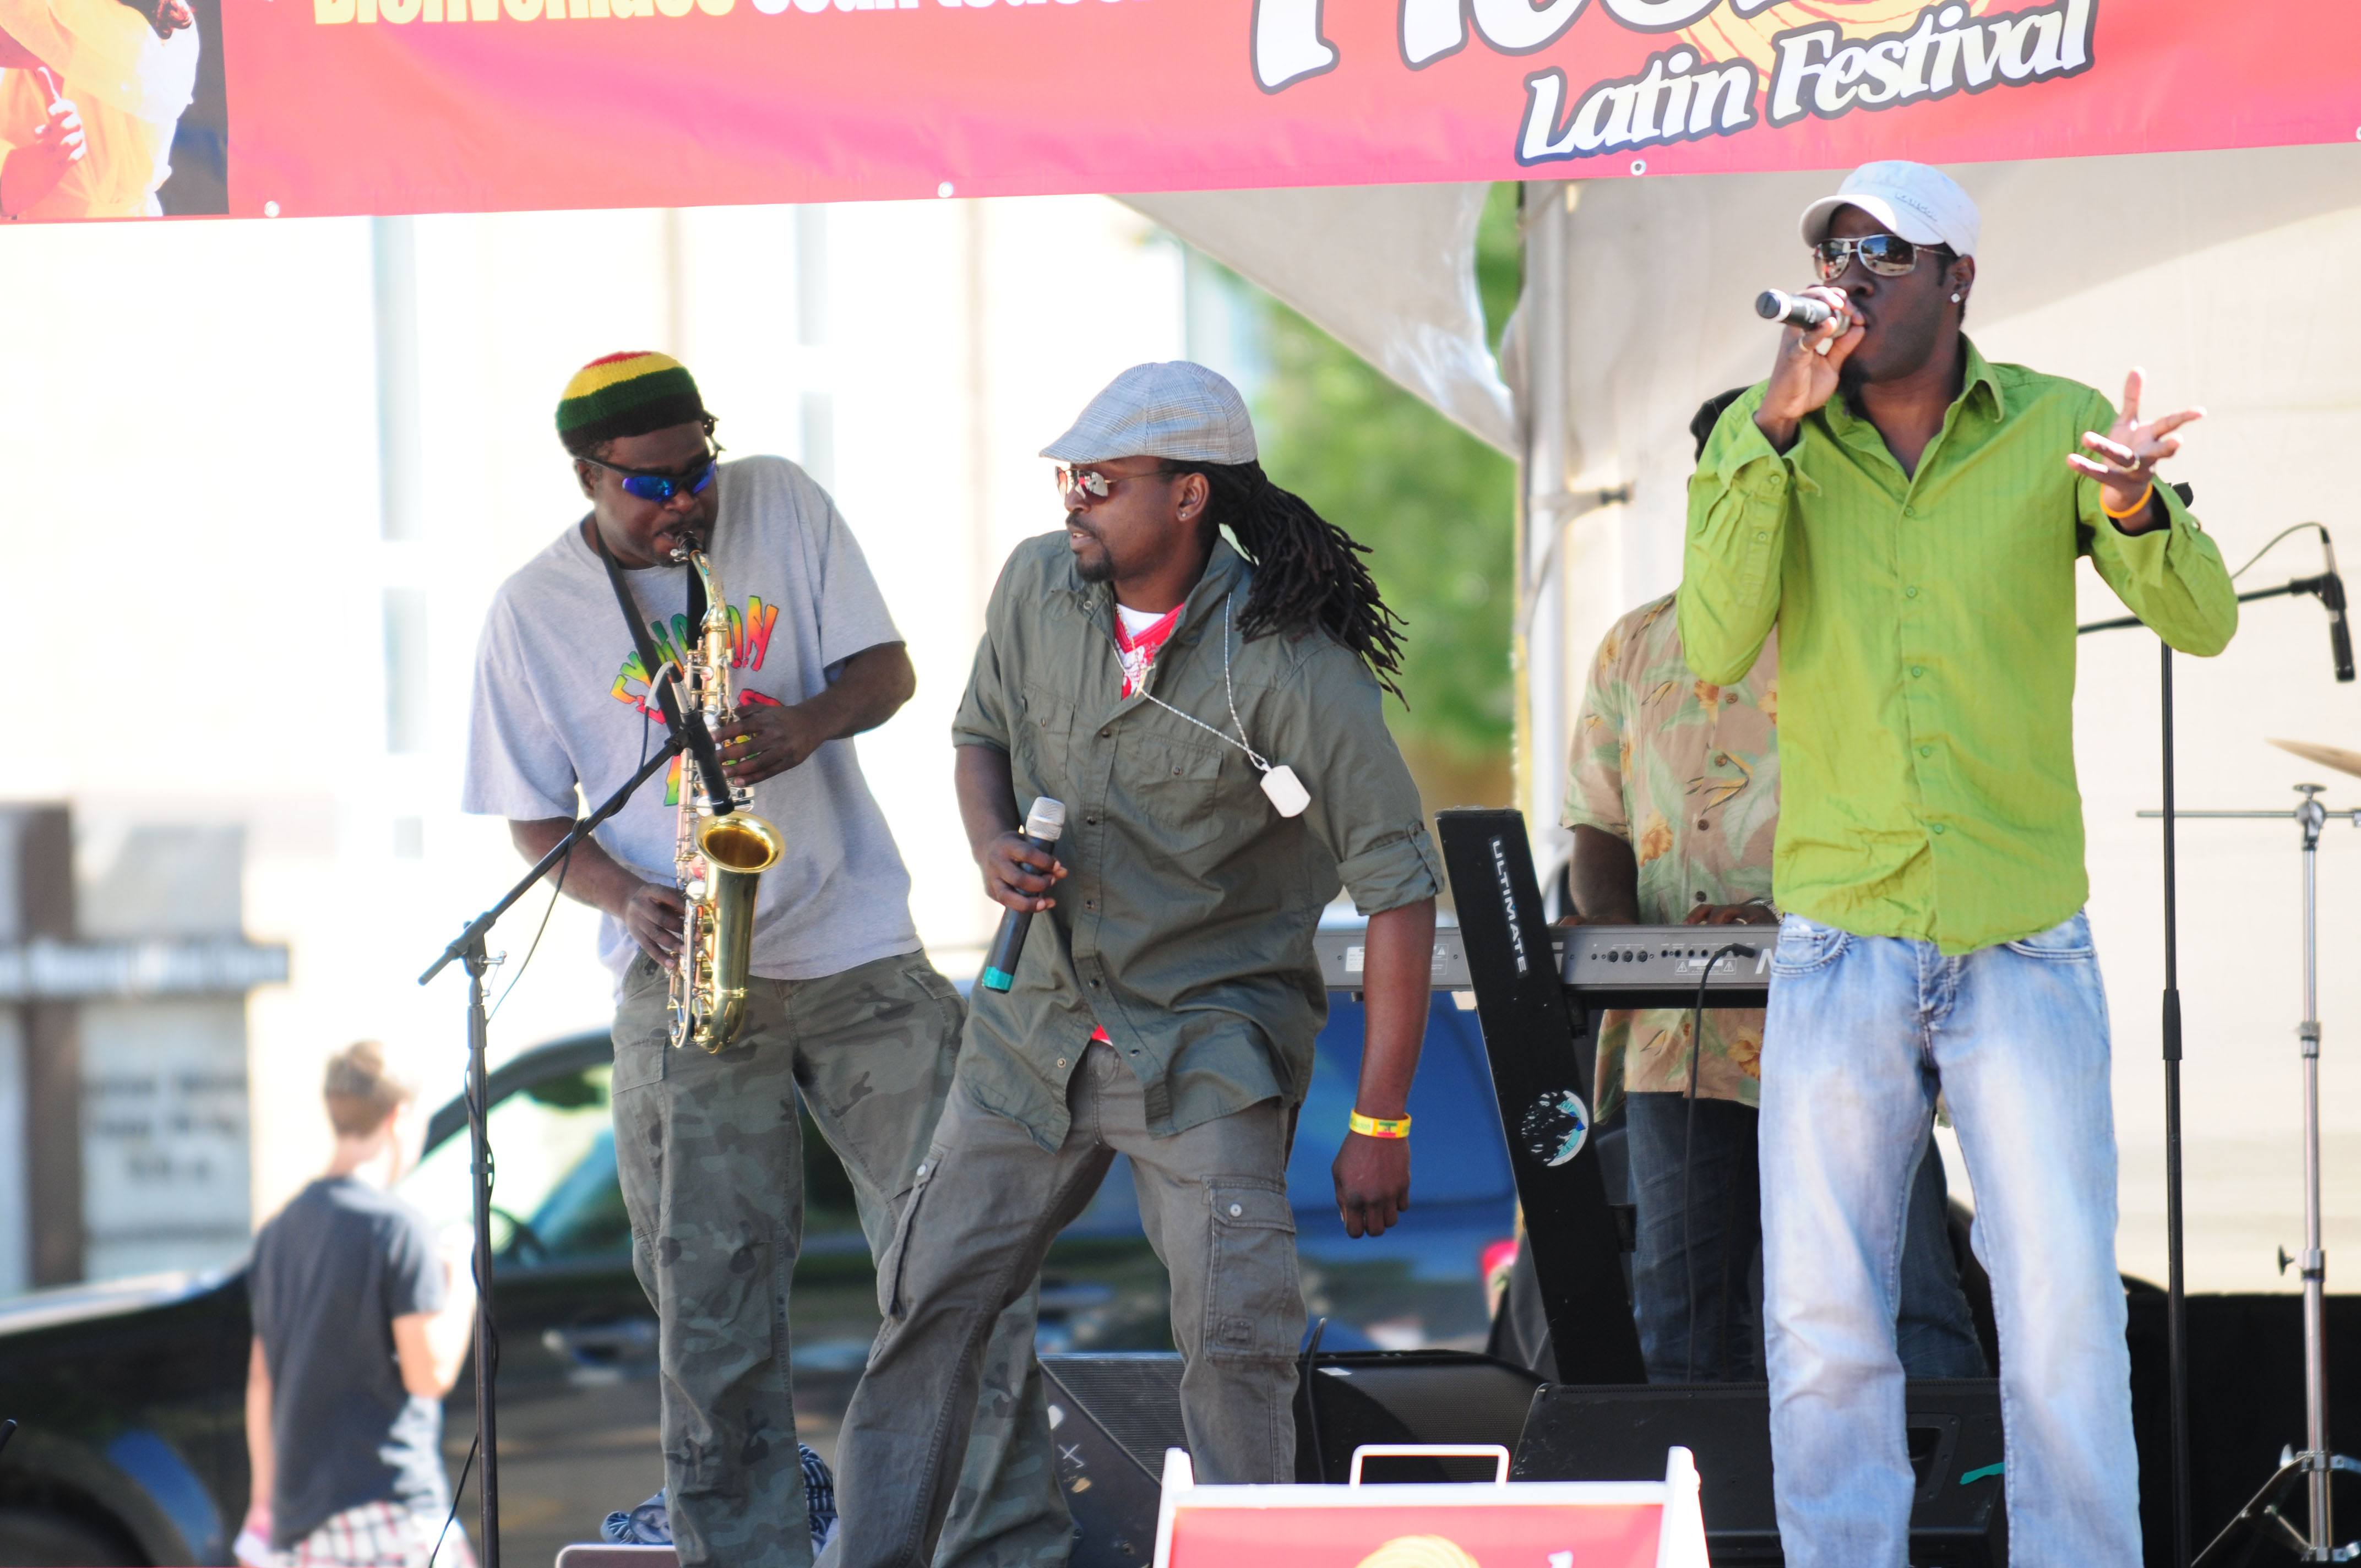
(842, 1008)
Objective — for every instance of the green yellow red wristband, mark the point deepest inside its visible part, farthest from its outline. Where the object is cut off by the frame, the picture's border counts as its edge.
(1381, 1127)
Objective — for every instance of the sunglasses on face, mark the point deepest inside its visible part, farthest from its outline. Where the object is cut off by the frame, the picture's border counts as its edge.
(662, 488)
(1081, 487)
(1886, 255)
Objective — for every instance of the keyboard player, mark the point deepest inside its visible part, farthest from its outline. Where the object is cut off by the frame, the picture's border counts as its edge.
(1674, 801)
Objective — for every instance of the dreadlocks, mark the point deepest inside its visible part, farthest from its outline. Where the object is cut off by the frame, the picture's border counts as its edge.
(1308, 571)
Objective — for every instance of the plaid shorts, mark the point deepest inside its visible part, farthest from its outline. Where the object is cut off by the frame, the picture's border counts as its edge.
(380, 1535)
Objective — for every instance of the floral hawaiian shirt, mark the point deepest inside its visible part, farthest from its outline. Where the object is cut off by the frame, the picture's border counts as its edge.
(1687, 773)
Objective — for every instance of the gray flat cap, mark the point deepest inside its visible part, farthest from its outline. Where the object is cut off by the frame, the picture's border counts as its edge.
(1175, 409)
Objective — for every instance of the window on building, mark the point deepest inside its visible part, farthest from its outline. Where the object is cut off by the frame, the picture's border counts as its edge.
(405, 670)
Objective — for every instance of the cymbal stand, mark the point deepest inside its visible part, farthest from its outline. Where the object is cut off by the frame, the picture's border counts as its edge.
(2316, 1464)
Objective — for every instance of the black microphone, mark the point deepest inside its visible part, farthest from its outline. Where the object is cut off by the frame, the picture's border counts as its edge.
(2332, 594)
(1042, 828)
(1776, 305)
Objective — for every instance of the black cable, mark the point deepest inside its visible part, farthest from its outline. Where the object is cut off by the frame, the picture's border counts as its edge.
(1688, 1152)
(443, 1534)
(2283, 533)
(556, 889)
(477, 1118)
(1311, 1401)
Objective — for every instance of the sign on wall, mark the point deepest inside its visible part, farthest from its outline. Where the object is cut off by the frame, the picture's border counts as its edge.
(307, 107)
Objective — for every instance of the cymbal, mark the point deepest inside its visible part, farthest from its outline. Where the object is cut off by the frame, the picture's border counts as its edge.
(2336, 757)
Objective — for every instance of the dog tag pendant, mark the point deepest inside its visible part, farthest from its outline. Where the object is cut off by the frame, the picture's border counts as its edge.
(1286, 791)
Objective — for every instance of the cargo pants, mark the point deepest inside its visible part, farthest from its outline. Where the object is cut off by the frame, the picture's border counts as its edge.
(710, 1149)
(989, 1201)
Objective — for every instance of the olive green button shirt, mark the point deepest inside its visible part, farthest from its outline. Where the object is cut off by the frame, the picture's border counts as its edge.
(1184, 927)
(1926, 646)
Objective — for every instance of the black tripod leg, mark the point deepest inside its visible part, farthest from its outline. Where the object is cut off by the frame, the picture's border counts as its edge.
(2260, 1515)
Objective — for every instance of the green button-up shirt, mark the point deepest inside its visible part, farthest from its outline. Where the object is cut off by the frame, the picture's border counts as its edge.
(1184, 927)
(1926, 646)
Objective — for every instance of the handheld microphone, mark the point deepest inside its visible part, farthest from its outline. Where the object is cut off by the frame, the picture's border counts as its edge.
(2332, 594)
(1042, 828)
(1776, 305)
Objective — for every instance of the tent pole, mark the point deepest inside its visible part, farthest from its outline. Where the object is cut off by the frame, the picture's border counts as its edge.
(1540, 652)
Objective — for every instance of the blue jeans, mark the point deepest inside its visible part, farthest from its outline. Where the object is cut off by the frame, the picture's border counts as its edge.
(1861, 1032)
(1722, 1240)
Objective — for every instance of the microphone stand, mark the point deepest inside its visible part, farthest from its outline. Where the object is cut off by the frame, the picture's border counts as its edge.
(2317, 1463)
(467, 950)
(2330, 590)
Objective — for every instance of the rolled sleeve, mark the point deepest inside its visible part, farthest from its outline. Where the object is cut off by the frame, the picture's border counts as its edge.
(2171, 578)
(1365, 807)
(1393, 871)
(1737, 539)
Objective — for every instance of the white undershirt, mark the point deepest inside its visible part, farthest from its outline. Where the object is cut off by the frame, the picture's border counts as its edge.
(1135, 621)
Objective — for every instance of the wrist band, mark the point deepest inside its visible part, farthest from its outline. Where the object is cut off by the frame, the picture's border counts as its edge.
(1380, 1126)
(2137, 508)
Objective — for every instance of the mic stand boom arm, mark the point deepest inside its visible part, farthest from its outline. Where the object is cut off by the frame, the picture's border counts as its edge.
(467, 948)
(2316, 587)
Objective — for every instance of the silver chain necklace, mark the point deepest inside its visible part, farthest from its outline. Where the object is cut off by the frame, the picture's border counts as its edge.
(1239, 740)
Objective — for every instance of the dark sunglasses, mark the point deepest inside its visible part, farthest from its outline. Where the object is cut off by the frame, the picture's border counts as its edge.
(661, 488)
(1886, 255)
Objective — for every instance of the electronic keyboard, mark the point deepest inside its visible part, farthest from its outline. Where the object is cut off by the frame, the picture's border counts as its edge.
(1610, 966)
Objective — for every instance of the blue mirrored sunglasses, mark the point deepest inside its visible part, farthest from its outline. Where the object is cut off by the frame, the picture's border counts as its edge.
(661, 488)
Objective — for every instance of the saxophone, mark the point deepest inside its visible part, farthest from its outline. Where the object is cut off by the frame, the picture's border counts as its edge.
(719, 860)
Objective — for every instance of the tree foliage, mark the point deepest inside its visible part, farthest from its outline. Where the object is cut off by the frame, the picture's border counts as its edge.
(1438, 509)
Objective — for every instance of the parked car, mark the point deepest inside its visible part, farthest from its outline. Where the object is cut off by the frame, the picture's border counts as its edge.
(131, 1395)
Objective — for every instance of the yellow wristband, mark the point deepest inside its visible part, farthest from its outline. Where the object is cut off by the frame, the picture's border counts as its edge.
(1381, 1127)
(2135, 508)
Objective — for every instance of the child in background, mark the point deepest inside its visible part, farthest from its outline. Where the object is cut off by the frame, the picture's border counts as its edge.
(361, 1326)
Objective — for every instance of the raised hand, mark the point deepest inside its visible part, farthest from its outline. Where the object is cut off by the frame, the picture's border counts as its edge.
(2127, 454)
(1803, 371)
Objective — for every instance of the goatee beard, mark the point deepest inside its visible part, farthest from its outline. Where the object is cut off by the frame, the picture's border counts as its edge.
(1099, 568)
(1850, 378)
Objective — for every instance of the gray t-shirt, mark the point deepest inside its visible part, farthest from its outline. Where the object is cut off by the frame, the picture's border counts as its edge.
(330, 1273)
(559, 703)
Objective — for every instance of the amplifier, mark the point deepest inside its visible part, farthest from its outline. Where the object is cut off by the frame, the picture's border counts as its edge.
(1605, 1433)
(1612, 966)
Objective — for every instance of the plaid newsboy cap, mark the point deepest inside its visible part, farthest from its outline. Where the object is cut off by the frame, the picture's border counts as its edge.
(1172, 409)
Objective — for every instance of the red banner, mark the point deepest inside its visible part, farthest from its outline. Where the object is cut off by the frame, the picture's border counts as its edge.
(339, 106)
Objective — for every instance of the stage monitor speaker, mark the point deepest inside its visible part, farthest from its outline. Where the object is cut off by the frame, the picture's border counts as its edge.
(1605, 1433)
(1112, 1417)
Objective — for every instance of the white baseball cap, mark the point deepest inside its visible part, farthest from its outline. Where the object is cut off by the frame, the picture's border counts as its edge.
(1924, 205)
(1171, 409)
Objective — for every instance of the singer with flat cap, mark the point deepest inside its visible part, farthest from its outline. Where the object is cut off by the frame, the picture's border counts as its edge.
(1908, 515)
(1182, 697)
(843, 1013)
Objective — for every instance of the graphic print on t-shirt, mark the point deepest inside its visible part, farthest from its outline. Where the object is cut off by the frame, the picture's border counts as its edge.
(750, 643)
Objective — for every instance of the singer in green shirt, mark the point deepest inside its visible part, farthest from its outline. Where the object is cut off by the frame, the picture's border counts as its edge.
(1909, 515)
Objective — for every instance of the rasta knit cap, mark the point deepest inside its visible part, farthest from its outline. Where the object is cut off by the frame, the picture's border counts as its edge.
(626, 394)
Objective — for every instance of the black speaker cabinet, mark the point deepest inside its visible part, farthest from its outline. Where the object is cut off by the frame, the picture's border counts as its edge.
(1620, 1433)
(1112, 1417)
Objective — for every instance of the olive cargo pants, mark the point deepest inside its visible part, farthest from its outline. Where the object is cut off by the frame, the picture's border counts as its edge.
(1213, 1199)
(710, 1152)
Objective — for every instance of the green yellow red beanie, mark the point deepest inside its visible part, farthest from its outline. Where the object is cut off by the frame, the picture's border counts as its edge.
(626, 394)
